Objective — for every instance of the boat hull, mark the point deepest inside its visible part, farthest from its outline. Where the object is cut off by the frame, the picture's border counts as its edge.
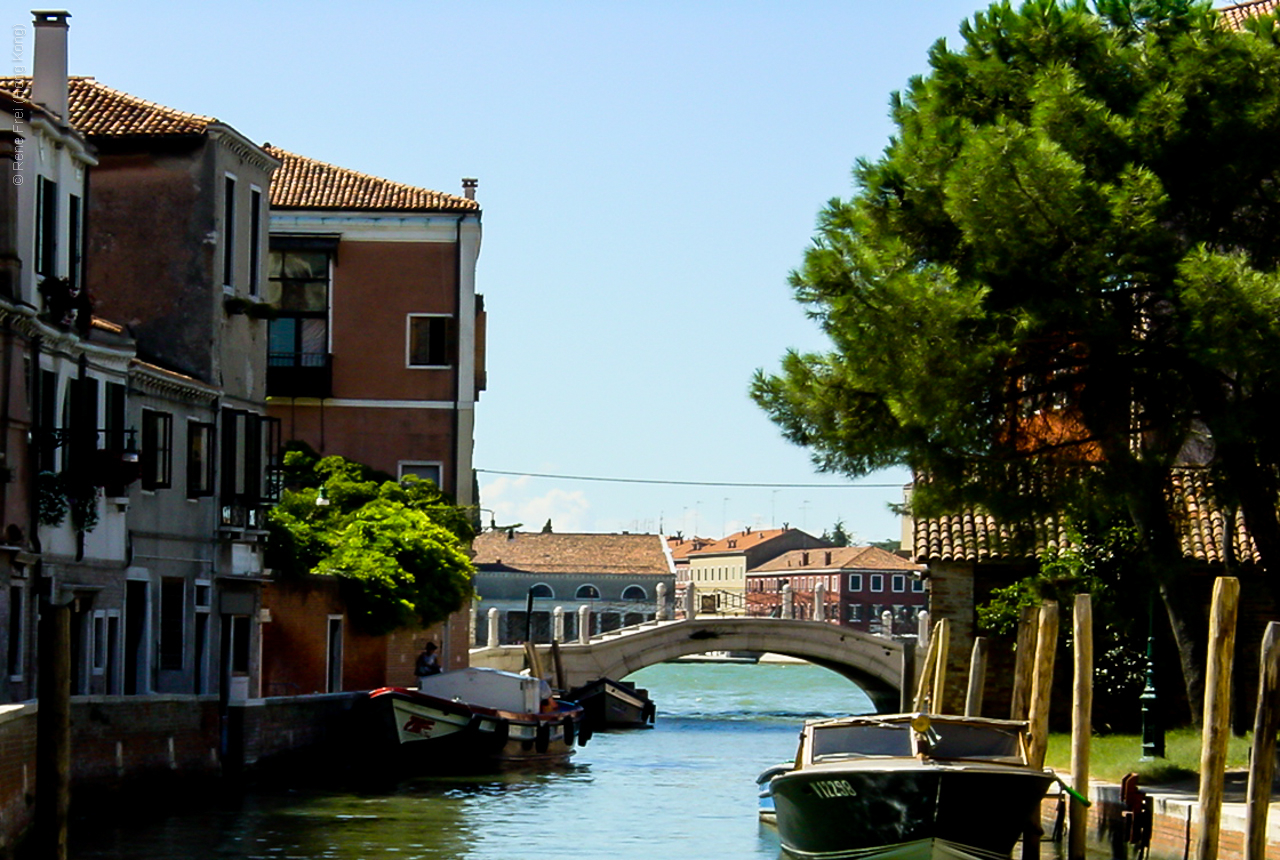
(419, 732)
(613, 704)
(921, 811)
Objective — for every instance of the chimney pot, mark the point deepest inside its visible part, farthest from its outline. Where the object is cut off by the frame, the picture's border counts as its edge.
(469, 188)
(49, 75)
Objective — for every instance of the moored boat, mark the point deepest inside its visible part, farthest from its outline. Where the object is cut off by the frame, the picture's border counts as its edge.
(476, 719)
(906, 787)
(614, 704)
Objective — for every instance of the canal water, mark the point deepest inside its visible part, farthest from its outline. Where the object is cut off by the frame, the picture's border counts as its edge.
(684, 789)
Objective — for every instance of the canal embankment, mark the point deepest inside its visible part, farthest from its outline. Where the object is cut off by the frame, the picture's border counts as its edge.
(1173, 822)
(145, 743)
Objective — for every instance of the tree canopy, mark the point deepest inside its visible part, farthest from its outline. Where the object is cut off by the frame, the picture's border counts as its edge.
(1059, 281)
(399, 546)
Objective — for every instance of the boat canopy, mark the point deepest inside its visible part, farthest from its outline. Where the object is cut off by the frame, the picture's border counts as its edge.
(928, 736)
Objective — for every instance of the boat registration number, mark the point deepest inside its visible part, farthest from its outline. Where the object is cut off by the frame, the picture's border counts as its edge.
(829, 788)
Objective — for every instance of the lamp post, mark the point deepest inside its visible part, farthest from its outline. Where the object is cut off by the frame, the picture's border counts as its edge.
(1152, 728)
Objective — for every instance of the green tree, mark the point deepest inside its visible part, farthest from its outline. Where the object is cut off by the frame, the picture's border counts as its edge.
(1058, 282)
(399, 546)
(838, 536)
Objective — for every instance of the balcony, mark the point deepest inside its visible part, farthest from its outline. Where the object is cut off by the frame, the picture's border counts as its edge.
(299, 374)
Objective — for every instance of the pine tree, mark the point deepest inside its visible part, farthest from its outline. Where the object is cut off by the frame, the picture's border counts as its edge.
(1059, 281)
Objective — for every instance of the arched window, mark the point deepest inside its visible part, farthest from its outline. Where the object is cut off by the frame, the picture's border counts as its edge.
(542, 590)
(634, 592)
(587, 592)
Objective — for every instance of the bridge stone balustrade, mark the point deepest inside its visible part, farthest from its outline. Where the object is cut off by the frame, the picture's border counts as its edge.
(874, 663)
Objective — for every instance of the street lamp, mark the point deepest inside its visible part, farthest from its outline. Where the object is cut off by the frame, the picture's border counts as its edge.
(1152, 728)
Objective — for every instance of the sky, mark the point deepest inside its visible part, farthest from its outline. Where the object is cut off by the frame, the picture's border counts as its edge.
(649, 173)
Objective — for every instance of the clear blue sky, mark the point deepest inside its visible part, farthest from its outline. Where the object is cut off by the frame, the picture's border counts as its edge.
(650, 173)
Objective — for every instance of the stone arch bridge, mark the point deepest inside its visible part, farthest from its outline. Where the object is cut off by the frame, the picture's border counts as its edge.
(874, 663)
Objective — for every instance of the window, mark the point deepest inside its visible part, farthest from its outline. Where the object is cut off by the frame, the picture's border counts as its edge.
(333, 682)
(249, 457)
(255, 238)
(99, 642)
(425, 470)
(17, 627)
(430, 340)
(855, 611)
(156, 458)
(298, 287)
(877, 582)
(855, 582)
(46, 227)
(228, 232)
(542, 590)
(917, 586)
(48, 418)
(117, 435)
(634, 592)
(200, 459)
(75, 233)
(173, 604)
(899, 582)
(587, 592)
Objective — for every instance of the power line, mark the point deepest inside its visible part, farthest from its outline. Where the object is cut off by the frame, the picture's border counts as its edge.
(694, 483)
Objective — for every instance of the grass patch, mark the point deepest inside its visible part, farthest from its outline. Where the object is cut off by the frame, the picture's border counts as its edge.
(1113, 756)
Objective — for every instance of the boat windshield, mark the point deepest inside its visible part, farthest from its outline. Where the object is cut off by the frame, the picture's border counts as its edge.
(871, 739)
(956, 740)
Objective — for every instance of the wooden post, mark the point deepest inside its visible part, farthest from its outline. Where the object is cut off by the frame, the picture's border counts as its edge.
(557, 664)
(1042, 681)
(907, 676)
(532, 657)
(53, 729)
(977, 678)
(1045, 642)
(1028, 620)
(1081, 724)
(584, 623)
(926, 674)
(942, 632)
(1262, 760)
(1217, 713)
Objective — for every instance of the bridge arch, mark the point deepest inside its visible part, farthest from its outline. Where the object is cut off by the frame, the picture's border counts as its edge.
(873, 663)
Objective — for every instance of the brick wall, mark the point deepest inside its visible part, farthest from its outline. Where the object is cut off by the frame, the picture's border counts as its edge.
(17, 772)
(1175, 825)
(288, 723)
(127, 740)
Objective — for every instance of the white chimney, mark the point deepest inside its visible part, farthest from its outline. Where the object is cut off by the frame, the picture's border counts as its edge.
(49, 82)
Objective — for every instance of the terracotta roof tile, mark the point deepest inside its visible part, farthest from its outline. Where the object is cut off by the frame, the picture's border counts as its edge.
(743, 540)
(304, 183)
(842, 558)
(973, 536)
(1236, 15)
(97, 109)
(536, 552)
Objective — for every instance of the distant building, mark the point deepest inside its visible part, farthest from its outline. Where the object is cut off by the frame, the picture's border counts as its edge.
(859, 583)
(718, 571)
(615, 575)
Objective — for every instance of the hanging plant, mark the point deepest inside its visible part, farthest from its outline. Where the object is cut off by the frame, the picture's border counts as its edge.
(51, 498)
(84, 508)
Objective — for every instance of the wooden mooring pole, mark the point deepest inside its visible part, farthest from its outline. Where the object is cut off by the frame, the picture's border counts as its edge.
(942, 633)
(925, 682)
(1081, 724)
(977, 678)
(1217, 713)
(1046, 646)
(1042, 681)
(1262, 760)
(1024, 665)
